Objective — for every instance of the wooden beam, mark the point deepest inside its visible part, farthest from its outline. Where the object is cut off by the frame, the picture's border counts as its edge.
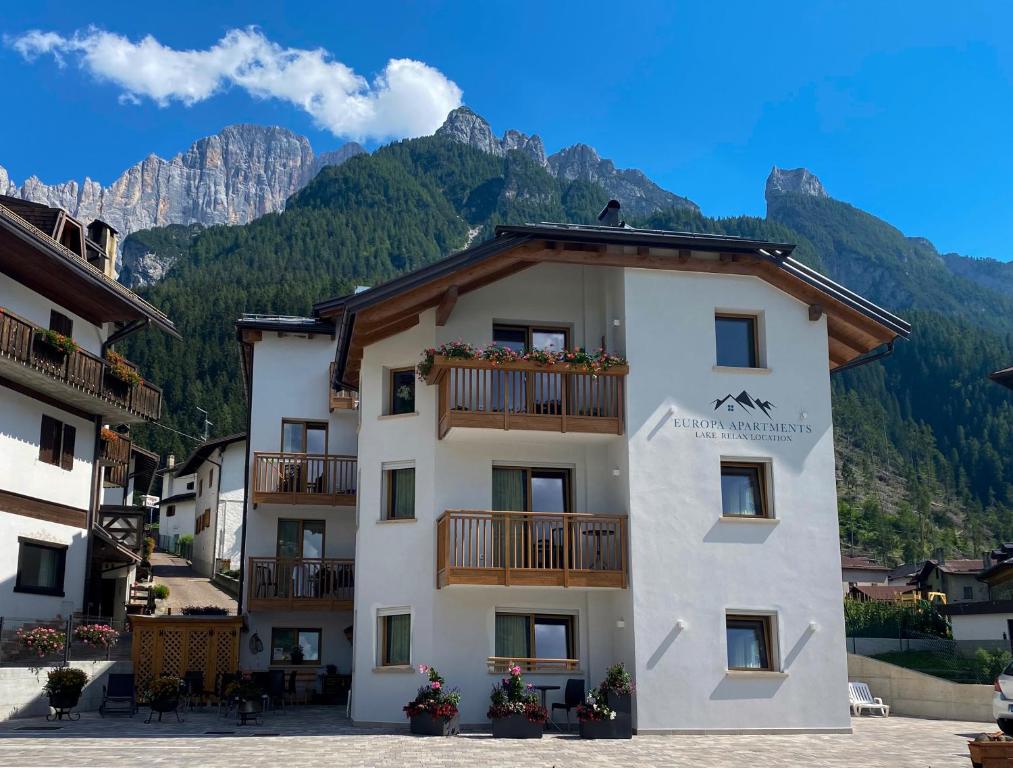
(446, 305)
(815, 312)
(364, 340)
(250, 336)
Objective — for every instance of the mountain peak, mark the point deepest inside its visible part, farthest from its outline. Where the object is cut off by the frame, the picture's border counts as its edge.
(798, 181)
(466, 127)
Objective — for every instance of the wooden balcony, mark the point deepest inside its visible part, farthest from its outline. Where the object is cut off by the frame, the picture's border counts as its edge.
(525, 395)
(340, 399)
(304, 478)
(114, 456)
(125, 525)
(78, 378)
(500, 665)
(300, 585)
(531, 549)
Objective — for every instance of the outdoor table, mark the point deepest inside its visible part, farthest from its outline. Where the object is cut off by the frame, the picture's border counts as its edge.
(544, 689)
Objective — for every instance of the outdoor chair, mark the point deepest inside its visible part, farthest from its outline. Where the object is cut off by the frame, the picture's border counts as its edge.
(225, 702)
(118, 696)
(193, 683)
(573, 695)
(862, 699)
(275, 689)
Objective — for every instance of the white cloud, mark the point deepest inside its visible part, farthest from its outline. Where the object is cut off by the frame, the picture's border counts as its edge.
(409, 98)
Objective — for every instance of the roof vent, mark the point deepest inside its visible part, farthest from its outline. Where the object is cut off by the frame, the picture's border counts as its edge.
(609, 216)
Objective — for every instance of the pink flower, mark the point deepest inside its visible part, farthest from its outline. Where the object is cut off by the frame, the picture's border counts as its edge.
(435, 685)
(423, 668)
(530, 686)
(515, 670)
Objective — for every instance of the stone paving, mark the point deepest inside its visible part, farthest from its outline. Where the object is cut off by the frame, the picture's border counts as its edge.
(186, 586)
(311, 736)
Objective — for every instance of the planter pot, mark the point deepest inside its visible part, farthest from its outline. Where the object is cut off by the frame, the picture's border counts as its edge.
(599, 729)
(990, 753)
(622, 703)
(250, 709)
(61, 704)
(516, 727)
(165, 705)
(424, 724)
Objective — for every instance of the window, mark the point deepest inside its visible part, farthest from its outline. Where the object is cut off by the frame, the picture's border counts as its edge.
(737, 345)
(969, 593)
(402, 391)
(522, 338)
(750, 641)
(56, 443)
(189, 486)
(744, 489)
(211, 478)
(283, 641)
(60, 323)
(300, 539)
(523, 489)
(303, 436)
(40, 567)
(200, 488)
(394, 631)
(535, 636)
(400, 488)
(171, 511)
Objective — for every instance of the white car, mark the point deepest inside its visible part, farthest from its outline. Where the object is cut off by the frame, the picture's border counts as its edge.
(1002, 701)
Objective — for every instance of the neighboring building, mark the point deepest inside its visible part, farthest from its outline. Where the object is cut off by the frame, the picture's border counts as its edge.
(983, 624)
(657, 514)
(862, 571)
(176, 508)
(218, 467)
(61, 313)
(883, 593)
(957, 579)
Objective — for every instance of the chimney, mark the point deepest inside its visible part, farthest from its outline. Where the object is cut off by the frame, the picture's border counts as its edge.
(940, 556)
(170, 461)
(609, 216)
(105, 236)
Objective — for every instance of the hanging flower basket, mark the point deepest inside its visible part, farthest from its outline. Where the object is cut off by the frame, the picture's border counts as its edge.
(97, 635)
(56, 341)
(41, 641)
(120, 370)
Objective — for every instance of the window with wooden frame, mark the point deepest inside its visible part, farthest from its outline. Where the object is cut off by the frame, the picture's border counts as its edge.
(60, 323)
(200, 487)
(300, 539)
(537, 640)
(301, 436)
(737, 340)
(394, 638)
(523, 338)
(56, 443)
(211, 478)
(399, 492)
(41, 567)
(744, 489)
(401, 391)
(750, 642)
(532, 489)
(284, 641)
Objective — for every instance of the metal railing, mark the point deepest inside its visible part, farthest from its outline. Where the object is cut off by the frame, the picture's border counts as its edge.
(82, 370)
(75, 641)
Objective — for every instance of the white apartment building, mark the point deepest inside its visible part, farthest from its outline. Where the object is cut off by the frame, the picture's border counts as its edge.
(176, 507)
(676, 513)
(65, 401)
(217, 472)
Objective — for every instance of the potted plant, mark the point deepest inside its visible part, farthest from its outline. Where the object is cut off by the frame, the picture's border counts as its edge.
(163, 696)
(295, 654)
(619, 690)
(434, 711)
(121, 370)
(995, 748)
(41, 641)
(597, 719)
(97, 635)
(249, 696)
(63, 687)
(515, 710)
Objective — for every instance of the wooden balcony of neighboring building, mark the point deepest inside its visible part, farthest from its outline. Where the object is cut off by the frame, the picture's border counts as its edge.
(528, 396)
(304, 478)
(121, 531)
(340, 399)
(114, 456)
(304, 584)
(533, 549)
(77, 378)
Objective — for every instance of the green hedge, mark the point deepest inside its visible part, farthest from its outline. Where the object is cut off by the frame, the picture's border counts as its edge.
(870, 618)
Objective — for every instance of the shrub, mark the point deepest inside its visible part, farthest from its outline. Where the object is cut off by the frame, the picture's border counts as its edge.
(149, 547)
(160, 591)
(617, 680)
(434, 698)
(204, 610)
(96, 634)
(164, 688)
(871, 618)
(42, 640)
(990, 664)
(186, 538)
(65, 680)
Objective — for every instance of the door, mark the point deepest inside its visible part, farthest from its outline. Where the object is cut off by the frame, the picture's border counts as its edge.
(299, 540)
(533, 541)
(306, 473)
(528, 393)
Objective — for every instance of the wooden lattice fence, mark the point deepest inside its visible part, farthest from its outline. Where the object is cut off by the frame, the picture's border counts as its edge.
(175, 645)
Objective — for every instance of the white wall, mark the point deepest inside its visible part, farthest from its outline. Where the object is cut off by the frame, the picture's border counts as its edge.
(690, 564)
(182, 522)
(30, 606)
(981, 626)
(35, 308)
(861, 576)
(231, 495)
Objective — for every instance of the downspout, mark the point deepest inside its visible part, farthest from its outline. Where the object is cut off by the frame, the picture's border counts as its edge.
(92, 517)
(123, 332)
(869, 357)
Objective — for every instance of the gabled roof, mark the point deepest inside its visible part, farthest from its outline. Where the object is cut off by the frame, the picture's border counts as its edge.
(202, 451)
(861, 562)
(177, 497)
(30, 254)
(1004, 377)
(856, 326)
(951, 567)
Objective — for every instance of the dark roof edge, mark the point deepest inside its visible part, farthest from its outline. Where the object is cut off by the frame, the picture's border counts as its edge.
(23, 229)
(633, 236)
(202, 451)
(286, 325)
(970, 609)
(177, 497)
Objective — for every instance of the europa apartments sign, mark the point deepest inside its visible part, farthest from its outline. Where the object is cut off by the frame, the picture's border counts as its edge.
(744, 417)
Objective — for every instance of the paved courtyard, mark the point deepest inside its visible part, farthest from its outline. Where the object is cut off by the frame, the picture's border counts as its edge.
(186, 586)
(310, 736)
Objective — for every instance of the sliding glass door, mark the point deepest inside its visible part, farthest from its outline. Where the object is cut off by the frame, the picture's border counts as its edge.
(534, 541)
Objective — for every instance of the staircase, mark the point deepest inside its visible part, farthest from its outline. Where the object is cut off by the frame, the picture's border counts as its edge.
(140, 600)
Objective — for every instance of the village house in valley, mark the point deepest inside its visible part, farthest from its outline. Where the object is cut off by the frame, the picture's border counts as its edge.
(652, 503)
(71, 535)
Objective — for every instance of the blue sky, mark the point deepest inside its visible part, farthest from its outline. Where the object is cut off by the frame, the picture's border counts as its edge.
(903, 110)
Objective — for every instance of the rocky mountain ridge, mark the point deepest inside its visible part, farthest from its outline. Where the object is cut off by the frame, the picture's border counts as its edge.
(637, 193)
(232, 177)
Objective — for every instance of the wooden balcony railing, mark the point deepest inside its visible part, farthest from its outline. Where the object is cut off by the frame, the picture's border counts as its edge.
(304, 478)
(81, 370)
(501, 665)
(525, 395)
(125, 525)
(340, 399)
(531, 549)
(300, 584)
(114, 455)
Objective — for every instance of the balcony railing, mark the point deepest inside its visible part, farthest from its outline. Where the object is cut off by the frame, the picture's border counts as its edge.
(300, 584)
(125, 525)
(340, 399)
(79, 369)
(501, 664)
(525, 395)
(114, 455)
(304, 478)
(531, 549)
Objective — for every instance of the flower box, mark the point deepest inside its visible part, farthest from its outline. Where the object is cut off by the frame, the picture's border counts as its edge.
(516, 727)
(622, 703)
(424, 724)
(442, 362)
(598, 729)
(991, 754)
